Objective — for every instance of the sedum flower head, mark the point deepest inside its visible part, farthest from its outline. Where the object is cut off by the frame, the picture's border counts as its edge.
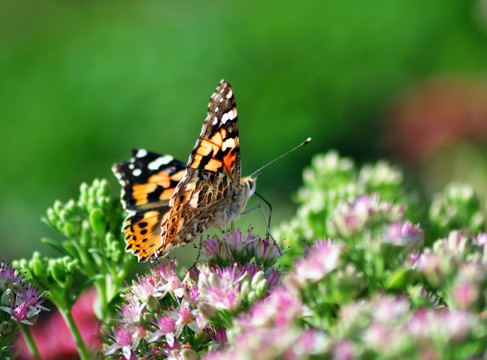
(19, 298)
(163, 311)
(20, 304)
(321, 258)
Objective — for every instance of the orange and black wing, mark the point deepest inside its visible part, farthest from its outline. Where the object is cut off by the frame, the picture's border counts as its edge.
(148, 182)
(148, 179)
(217, 148)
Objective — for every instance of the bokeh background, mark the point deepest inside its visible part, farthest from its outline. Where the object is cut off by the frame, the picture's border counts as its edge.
(81, 83)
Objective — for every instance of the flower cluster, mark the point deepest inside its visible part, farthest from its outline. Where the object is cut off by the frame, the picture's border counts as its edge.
(457, 207)
(341, 202)
(456, 269)
(361, 278)
(388, 327)
(271, 330)
(20, 304)
(169, 315)
(379, 327)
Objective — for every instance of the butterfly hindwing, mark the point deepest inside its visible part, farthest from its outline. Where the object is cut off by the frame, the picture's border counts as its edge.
(148, 182)
(143, 232)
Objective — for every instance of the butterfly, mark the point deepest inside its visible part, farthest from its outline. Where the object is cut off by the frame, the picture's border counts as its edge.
(170, 203)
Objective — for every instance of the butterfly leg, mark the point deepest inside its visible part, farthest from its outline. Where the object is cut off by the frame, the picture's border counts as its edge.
(267, 223)
(270, 211)
(199, 249)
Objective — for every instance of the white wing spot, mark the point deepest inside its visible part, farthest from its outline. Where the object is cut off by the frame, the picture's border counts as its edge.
(230, 115)
(137, 172)
(131, 166)
(141, 153)
(230, 94)
(156, 164)
(215, 120)
(194, 200)
(229, 143)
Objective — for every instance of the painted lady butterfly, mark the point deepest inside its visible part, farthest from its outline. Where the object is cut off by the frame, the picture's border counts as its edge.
(171, 203)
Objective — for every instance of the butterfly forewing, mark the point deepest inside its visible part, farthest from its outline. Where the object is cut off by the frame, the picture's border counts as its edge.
(217, 148)
(148, 179)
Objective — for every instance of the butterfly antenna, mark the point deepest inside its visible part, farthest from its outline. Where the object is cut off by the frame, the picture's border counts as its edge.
(257, 173)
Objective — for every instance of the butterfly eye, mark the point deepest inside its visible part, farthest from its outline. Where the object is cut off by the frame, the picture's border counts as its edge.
(251, 185)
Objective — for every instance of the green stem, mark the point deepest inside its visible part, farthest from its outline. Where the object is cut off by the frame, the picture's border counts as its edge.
(29, 339)
(101, 288)
(68, 318)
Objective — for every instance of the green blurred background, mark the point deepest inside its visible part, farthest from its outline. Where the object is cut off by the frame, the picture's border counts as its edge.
(82, 82)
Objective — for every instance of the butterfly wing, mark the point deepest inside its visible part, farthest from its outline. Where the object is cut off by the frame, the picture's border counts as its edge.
(213, 168)
(217, 148)
(148, 182)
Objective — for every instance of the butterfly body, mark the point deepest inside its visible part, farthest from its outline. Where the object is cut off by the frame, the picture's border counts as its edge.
(171, 203)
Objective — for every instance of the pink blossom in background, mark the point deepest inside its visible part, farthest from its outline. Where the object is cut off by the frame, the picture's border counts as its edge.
(437, 113)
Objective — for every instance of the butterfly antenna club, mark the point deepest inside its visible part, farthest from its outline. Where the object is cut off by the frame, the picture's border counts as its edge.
(257, 173)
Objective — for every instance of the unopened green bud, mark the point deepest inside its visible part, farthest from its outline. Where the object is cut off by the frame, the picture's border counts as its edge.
(93, 188)
(257, 278)
(51, 216)
(70, 207)
(86, 232)
(68, 229)
(207, 310)
(97, 220)
(104, 189)
(261, 288)
(58, 207)
(58, 271)
(6, 283)
(252, 297)
(189, 354)
(5, 328)
(71, 248)
(70, 264)
(36, 265)
(64, 216)
(152, 304)
(245, 289)
(7, 298)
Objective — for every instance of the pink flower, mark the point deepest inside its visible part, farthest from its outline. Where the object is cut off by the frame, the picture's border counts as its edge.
(465, 294)
(185, 316)
(220, 287)
(122, 341)
(279, 309)
(167, 328)
(344, 350)
(131, 312)
(404, 234)
(62, 346)
(8, 274)
(321, 259)
(169, 280)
